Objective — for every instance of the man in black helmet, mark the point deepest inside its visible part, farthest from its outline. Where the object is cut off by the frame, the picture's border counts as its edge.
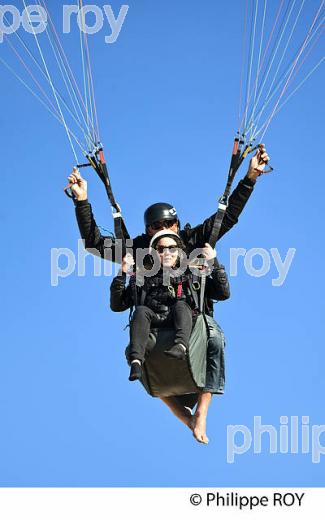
(163, 216)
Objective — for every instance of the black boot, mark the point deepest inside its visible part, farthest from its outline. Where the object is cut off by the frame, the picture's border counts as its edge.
(135, 372)
(177, 351)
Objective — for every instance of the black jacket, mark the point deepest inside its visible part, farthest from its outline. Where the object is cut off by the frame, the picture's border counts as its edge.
(193, 238)
(122, 296)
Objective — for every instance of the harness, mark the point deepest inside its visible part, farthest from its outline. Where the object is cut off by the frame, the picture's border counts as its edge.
(188, 287)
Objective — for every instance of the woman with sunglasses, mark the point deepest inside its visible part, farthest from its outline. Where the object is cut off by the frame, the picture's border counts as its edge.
(161, 303)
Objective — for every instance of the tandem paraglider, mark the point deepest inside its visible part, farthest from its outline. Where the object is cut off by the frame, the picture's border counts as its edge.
(180, 309)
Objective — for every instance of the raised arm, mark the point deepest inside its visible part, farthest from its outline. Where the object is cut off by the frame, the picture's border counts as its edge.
(95, 242)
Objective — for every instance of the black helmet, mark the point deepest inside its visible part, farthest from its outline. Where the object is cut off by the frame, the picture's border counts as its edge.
(159, 211)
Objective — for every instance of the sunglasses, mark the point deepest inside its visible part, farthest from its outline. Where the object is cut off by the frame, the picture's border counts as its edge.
(163, 224)
(171, 249)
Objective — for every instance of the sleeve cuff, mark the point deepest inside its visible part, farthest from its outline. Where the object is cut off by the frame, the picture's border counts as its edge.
(220, 267)
(80, 203)
(249, 182)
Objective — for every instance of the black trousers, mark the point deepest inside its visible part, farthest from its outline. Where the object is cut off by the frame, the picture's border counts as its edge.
(180, 316)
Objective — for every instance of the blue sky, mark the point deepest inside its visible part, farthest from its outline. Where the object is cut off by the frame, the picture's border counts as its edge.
(167, 92)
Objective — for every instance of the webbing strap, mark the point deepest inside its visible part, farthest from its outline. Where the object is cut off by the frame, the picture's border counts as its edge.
(143, 296)
(202, 291)
(101, 169)
(120, 231)
(222, 208)
(193, 294)
(236, 160)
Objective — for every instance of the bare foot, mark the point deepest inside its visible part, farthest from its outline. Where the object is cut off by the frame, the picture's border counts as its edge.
(199, 428)
(188, 418)
(183, 413)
